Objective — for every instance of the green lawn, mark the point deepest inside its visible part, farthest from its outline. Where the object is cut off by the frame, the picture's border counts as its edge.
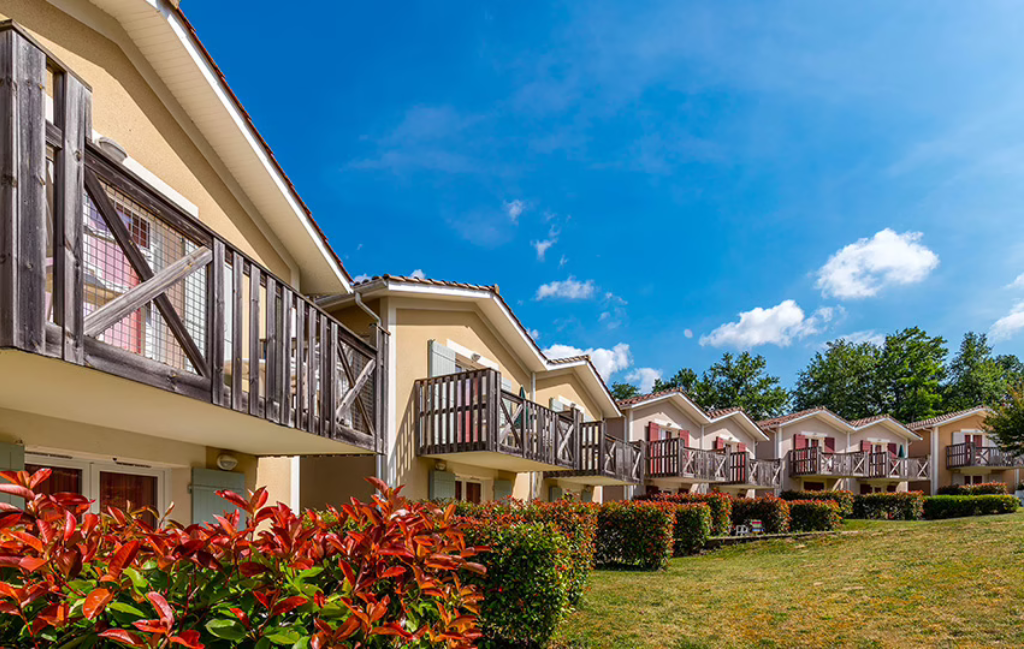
(956, 583)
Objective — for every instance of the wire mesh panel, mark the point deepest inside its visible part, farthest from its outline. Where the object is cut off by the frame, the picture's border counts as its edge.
(109, 274)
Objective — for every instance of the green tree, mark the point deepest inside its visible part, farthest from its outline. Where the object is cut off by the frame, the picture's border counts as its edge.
(684, 379)
(742, 381)
(1007, 422)
(975, 377)
(624, 391)
(909, 374)
(842, 379)
(1013, 367)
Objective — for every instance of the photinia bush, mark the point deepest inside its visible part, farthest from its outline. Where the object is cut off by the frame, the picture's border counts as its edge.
(386, 573)
(692, 527)
(814, 515)
(980, 489)
(720, 504)
(843, 498)
(635, 534)
(905, 506)
(773, 512)
(958, 506)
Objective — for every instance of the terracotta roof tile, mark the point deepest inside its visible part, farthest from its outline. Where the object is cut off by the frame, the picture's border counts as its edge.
(932, 421)
(721, 412)
(857, 423)
(775, 421)
(653, 395)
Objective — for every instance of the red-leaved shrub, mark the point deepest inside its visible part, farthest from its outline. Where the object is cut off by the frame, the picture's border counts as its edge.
(380, 574)
(720, 505)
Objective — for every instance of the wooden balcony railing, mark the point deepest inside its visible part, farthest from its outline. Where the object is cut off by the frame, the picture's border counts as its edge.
(969, 455)
(747, 470)
(669, 458)
(884, 465)
(605, 459)
(469, 412)
(99, 269)
(815, 461)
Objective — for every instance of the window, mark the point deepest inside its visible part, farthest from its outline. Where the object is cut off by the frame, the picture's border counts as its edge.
(468, 490)
(974, 479)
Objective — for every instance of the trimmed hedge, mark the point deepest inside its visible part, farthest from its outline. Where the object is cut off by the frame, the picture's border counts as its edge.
(692, 527)
(720, 504)
(936, 507)
(905, 506)
(634, 534)
(982, 489)
(814, 515)
(773, 512)
(525, 589)
(843, 498)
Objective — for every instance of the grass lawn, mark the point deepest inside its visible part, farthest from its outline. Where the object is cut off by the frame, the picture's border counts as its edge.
(957, 583)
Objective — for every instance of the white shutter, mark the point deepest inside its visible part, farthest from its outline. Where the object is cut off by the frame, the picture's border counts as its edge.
(441, 359)
(958, 438)
(506, 385)
(12, 458)
(557, 405)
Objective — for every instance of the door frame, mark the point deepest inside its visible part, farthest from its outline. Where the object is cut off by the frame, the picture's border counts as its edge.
(91, 475)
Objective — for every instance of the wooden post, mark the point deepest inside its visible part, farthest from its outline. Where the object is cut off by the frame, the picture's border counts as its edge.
(381, 379)
(22, 193)
(68, 251)
(215, 328)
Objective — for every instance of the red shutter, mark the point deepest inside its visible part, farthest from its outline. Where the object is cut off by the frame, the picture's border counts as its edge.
(719, 444)
(865, 446)
(830, 444)
(684, 438)
(742, 448)
(893, 450)
(653, 432)
(799, 441)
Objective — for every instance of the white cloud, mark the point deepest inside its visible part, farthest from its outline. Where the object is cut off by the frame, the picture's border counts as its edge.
(607, 361)
(778, 325)
(867, 336)
(688, 333)
(360, 278)
(563, 261)
(865, 267)
(418, 274)
(645, 376)
(1017, 283)
(542, 247)
(570, 289)
(1009, 325)
(534, 334)
(514, 209)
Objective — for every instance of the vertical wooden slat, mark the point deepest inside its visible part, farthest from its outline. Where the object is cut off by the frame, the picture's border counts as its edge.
(300, 362)
(254, 340)
(237, 341)
(311, 368)
(215, 322)
(324, 371)
(77, 124)
(272, 400)
(287, 298)
(334, 394)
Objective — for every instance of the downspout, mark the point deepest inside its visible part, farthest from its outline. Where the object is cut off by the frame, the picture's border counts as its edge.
(935, 460)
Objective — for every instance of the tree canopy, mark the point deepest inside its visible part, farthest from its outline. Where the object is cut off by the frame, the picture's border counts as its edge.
(624, 391)
(841, 378)
(733, 381)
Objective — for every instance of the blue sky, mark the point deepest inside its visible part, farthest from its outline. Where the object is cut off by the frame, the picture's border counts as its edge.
(660, 182)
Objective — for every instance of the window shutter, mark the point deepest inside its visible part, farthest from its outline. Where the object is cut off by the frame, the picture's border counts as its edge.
(506, 385)
(653, 432)
(502, 489)
(554, 493)
(684, 438)
(958, 438)
(442, 485)
(893, 450)
(442, 359)
(12, 458)
(587, 495)
(865, 446)
(205, 485)
(557, 405)
(799, 441)
(719, 444)
(830, 444)
(742, 448)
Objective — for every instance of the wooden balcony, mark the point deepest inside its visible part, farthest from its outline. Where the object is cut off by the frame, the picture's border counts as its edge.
(604, 460)
(468, 418)
(814, 461)
(102, 278)
(966, 455)
(670, 459)
(883, 466)
(747, 471)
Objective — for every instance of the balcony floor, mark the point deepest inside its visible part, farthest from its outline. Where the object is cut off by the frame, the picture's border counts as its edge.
(593, 479)
(53, 388)
(494, 460)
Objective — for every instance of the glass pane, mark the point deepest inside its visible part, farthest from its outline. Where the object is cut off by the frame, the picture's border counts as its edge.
(120, 489)
(62, 480)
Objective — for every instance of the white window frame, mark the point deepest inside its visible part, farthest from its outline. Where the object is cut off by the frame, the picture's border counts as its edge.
(91, 476)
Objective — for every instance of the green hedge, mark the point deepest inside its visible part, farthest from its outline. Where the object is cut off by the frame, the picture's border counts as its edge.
(525, 589)
(773, 512)
(843, 498)
(720, 504)
(814, 515)
(982, 489)
(692, 527)
(958, 506)
(634, 534)
(904, 506)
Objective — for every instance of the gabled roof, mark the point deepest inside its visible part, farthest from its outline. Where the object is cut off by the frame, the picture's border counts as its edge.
(679, 396)
(785, 420)
(850, 426)
(948, 418)
(497, 311)
(171, 47)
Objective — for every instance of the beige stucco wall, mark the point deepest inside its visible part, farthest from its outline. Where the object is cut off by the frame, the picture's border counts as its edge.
(83, 441)
(127, 109)
(945, 438)
(662, 413)
(877, 433)
(567, 386)
(725, 428)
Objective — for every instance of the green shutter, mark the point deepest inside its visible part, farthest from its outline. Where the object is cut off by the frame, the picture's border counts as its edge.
(12, 458)
(554, 493)
(587, 495)
(442, 485)
(502, 489)
(442, 360)
(205, 485)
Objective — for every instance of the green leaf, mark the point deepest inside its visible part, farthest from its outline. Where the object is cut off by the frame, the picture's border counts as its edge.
(226, 629)
(138, 580)
(263, 644)
(282, 635)
(121, 607)
(303, 643)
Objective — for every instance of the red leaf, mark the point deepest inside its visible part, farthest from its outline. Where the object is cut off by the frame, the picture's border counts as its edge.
(28, 540)
(39, 476)
(123, 557)
(234, 499)
(162, 607)
(96, 602)
(287, 605)
(240, 614)
(394, 571)
(188, 639)
(151, 626)
(17, 490)
(124, 637)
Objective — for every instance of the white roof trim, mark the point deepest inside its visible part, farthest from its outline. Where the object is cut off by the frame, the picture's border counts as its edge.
(843, 424)
(750, 424)
(965, 415)
(892, 425)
